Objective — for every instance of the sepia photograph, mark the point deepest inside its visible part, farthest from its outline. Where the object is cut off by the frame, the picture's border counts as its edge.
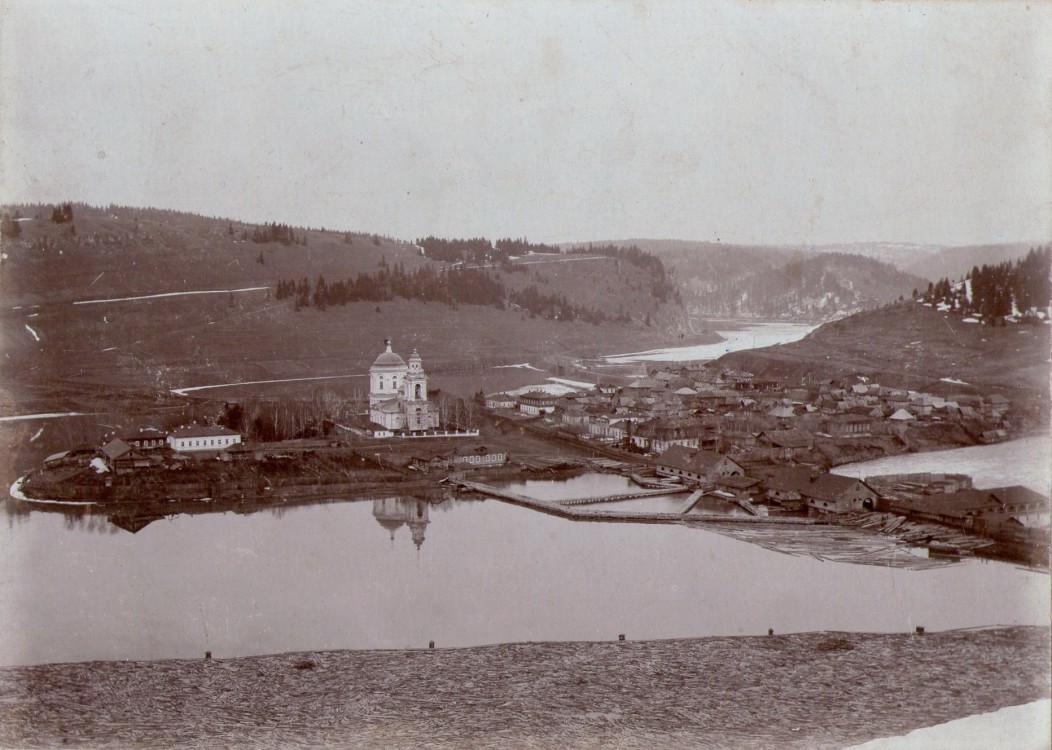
(570, 374)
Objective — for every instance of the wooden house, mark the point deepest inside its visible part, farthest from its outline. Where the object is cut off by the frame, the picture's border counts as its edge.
(146, 439)
(784, 445)
(832, 493)
(202, 438)
(537, 402)
(697, 465)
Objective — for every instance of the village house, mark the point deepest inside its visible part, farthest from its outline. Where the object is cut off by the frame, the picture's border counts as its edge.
(915, 484)
(202, 438)
(785, 485)
(739, 381)
(500, 401)
(832, 493)
(536, 403)
(784, 445)
(477, 457)
(697, 465)
(461, 458)
(739, 487)
(81, 456)
(716, 398)
(644, 386)
(121, 458)
(146, 439)
(921, 404)
(848, 425)
(429, 461)
(976, 509)
(612, 428)
(658, 435)
(574, 417)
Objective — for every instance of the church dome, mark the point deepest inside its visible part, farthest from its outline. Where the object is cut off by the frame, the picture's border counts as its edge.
(388, 360)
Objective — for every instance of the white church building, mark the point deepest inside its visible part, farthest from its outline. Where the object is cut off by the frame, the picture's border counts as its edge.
(398, 393)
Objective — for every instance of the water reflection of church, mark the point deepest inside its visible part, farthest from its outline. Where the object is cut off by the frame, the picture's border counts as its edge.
(394, 512)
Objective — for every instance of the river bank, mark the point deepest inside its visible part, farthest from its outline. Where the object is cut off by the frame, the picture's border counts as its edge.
(809, 690)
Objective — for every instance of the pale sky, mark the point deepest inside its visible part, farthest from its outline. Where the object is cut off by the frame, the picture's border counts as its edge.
(755, 122)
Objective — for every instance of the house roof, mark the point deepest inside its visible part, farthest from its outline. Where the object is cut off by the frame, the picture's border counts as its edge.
(195, 430)
(473, 450)
(738, 483)
(644, 383)
(539, 396)
(429, 456)
(1018, 494)
(975, 502)
(149, 433)
(789, 478)
(901, 415)
(830, 486)
(115, 448)
(788, 438)
(689, 459)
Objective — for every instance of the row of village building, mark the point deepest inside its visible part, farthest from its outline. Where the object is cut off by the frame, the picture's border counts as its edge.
(152, 448)
(140, 449)
(738, 412)
(946, 499)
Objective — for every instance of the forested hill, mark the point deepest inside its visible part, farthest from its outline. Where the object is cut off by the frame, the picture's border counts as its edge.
(779, 282)
(115, 300)
(602, 284)
(75, 252)
(993, 293)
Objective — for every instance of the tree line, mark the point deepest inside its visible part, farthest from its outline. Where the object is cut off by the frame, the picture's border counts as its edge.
(662, 287)
(9, 225)
(1023, 286)
(449, 286)
(273, 232)
(477, 250)
(62, 214)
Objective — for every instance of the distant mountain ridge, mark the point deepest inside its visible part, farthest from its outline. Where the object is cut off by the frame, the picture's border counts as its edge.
(811, 282)
(779, 282)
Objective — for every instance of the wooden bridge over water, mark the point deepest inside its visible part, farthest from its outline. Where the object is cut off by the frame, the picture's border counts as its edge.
(570, 508)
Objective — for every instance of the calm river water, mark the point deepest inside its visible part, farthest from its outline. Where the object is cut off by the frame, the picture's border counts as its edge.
(349, 575)
(753, 336)
(1026, 461)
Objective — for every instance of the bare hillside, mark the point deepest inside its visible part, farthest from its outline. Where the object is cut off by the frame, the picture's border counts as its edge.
(912, 345)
